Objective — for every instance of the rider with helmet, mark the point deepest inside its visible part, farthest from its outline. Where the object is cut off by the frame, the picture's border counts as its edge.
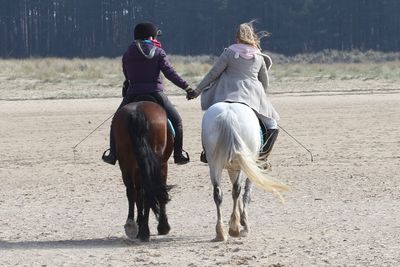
(142, 64)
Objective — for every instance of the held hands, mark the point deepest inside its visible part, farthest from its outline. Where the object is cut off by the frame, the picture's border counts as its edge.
(191, 93)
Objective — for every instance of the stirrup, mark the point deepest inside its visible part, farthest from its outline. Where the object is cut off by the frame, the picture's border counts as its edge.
(181, 159)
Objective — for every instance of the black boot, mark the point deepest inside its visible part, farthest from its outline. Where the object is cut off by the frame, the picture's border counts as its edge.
(203, 157)
(270, 139)
(179, 158)
(111, 158)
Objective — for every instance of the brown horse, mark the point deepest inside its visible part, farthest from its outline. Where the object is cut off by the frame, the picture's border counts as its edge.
(144, 144)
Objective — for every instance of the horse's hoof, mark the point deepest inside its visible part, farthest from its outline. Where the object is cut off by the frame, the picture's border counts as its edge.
(144, 235)
(163, 229)
(131, 229)
(144, 238)
(219, 238)
(234, 233)
(221, 234)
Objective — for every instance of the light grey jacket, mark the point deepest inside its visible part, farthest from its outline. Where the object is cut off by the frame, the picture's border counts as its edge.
(236, 79)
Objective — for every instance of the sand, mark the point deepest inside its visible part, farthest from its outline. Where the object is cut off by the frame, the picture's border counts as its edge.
(60, 208)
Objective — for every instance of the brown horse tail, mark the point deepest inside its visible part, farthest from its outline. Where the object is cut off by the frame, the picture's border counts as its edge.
(154, 188)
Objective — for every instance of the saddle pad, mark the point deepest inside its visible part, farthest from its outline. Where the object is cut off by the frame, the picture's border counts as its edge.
(262, 136)
(171, 127)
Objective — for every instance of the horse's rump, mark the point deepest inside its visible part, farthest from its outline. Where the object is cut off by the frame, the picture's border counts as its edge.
(225, 125)
(158, 135)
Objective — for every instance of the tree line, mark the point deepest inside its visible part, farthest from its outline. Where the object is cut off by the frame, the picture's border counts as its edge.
(92, 28)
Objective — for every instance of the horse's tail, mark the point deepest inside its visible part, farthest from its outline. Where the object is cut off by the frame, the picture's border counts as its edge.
(154, 188)
(233, 150)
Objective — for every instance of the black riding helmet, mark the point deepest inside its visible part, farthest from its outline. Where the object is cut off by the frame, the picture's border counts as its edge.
(144, 30)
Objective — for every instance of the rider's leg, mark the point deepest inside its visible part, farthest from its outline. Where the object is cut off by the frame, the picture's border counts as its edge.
(176, 121)
(270, 137)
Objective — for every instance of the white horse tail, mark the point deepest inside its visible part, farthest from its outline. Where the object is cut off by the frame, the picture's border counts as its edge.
(232, 150)
(227, 144)
(253, 170)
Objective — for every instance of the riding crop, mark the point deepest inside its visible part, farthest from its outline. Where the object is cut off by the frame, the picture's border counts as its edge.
(312, 157)
(74, 147)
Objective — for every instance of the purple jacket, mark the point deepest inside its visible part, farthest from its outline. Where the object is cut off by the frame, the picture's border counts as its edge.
(144, 73)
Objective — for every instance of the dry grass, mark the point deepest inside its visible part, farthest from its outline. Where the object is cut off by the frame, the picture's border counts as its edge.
(339, 71)
(102, 77)
(59, 78)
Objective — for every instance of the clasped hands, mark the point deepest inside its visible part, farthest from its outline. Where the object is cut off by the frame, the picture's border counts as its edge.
(192, 93)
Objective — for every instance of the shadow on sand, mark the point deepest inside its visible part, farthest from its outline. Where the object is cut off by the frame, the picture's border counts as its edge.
(108, 242)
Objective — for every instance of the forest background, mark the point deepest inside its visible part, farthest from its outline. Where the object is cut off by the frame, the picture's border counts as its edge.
(72, 49)
(93, 28)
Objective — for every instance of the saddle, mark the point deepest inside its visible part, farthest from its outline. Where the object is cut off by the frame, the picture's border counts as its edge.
(147, 97)
(155, 99)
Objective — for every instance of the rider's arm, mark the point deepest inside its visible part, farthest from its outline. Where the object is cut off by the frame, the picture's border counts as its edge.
(214, 72)
(263, 76)
(124, 59)
(169, 72)
(126, 82)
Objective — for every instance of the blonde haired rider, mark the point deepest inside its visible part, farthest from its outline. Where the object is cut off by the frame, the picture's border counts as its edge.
(241, 75)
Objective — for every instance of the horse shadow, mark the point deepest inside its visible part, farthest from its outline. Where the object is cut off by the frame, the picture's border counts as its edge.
(108, 242)
(64, 244)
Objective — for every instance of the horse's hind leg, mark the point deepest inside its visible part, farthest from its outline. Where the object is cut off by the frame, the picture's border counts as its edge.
(243, 209)
(143, 217)
(221, 235)
(234, 225)
(215, 178)
(163, 225)
(130, 225)
(145, 235)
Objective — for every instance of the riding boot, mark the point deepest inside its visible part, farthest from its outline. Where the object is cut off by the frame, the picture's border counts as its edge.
(111, 158)
(270, 139)
(203, 157)
(179, 158)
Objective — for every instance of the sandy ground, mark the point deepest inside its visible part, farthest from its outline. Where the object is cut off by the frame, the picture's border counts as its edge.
(60, 208)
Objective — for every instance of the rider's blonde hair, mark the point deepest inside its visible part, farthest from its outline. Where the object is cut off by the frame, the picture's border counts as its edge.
(246, 34)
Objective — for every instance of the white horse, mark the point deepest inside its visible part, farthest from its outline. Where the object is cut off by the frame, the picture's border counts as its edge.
(231, 139)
